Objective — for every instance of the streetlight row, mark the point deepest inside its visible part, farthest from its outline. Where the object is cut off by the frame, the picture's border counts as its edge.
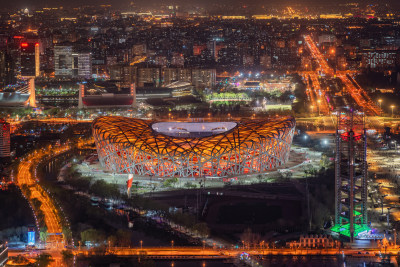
(380, 105)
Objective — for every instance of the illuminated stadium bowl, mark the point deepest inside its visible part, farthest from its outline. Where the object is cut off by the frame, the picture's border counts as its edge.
(192, 149)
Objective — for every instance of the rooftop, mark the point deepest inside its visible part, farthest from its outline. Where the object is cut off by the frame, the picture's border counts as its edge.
(192, 129)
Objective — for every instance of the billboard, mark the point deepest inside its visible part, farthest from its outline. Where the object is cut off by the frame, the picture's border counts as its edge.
(31, 238)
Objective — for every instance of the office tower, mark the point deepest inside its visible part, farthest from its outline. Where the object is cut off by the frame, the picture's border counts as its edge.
(63, 61)
(30, 60)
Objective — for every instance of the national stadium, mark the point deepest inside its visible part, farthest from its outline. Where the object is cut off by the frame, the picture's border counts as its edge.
(192, 149)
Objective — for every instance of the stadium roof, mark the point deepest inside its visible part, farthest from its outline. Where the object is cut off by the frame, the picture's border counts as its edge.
(137, 133)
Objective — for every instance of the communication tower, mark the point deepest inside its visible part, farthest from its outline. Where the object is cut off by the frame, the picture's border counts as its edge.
(350, 174)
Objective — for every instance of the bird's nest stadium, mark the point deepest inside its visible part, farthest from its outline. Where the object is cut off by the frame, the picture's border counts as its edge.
(192, 149)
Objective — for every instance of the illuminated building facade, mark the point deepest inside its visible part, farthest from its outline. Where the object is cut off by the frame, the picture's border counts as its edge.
(30, 60)
(72, 63)
(108, 99)
(4, 139)
(204, 78)
(63, 61)
(188, 149)
(7, 69)
(82, 65)
(380, 58)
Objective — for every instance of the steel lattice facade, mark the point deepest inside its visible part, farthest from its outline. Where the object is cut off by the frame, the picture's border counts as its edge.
(127, 145)
(351, 174)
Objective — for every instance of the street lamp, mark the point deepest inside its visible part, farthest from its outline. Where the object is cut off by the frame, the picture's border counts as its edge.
(172, 243)
(392, 107)
(380, 103)
(141, 244)
(319, 109)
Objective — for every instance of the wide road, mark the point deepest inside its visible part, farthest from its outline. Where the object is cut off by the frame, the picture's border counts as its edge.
(207, 252)
(357, 93)
(322, 103)
(329, 122)
(315, 94)
(26, 180)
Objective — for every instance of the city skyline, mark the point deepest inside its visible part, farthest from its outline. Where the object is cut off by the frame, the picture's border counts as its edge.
(125, 5)
(200, 134)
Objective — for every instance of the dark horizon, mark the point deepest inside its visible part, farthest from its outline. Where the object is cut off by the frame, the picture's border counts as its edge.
(121, 4)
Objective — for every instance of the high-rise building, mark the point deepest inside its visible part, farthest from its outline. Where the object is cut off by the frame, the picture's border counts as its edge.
(63, 61)
(326, 38)
(30, 59)
(7, 69)
(82, 65)
(204, 78)
(380, 58)
(133, 94)
(212, 47)
(185, 75)
(4, 139)
(139, 49)
(32, 92)
(70, 63)
(169, 75)
(197, 49)
(178, 60)
(248, 60)
(124, 73)
(149, 77)
(161, 61)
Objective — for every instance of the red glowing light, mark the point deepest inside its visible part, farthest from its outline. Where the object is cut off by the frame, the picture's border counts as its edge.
(346, 136)
(24, 45)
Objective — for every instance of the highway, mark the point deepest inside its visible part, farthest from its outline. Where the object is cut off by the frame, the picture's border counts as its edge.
(51, 121)
(26, 179)
(315, 94)
(309, 91)
(186, 253)
(210, 252)
(322, 103)
(357, 93)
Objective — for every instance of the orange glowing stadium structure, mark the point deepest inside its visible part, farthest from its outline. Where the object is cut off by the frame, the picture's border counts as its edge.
(192, 149)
